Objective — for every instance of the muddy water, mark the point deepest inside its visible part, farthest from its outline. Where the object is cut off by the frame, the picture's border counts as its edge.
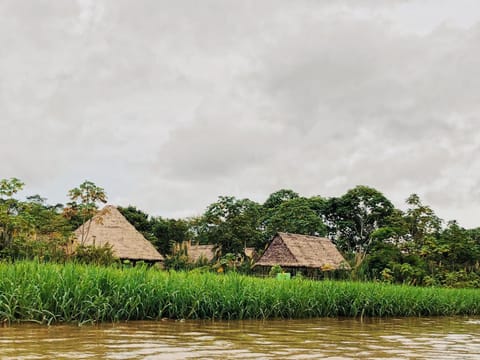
(428, 338)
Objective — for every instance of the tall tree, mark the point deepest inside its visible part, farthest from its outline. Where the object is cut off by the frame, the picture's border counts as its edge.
(10, 208)
(162, 233)
(47, 219)
(83, 205)
(297, 216)
(167, 232)
(276, 198)
(421, 221)
(232, 224)
(354, 216)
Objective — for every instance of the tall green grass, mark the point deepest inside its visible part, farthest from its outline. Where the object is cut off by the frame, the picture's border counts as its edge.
(51, 293)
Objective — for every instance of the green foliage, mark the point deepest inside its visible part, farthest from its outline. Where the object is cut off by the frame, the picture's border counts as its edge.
(461, 279)
(382, 257)
(232, 224)
(178, 260)
(462, 251)
(162, 233)
(46, 219)
(50, 293)
(277, 198)
(42, 249)
(274, 270)
(30, 229)
(295, 216)
(474, 234)
(11, 223)
(355, 216)
(139, 219)
(83, 205)
(448, 257)
(421, 221)
(228, 262)
(9, 187)
(97, 255)
(87, 195)
(168, 232)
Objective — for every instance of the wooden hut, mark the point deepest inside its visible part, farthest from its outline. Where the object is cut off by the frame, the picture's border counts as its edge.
(294, 252)
(110, 227)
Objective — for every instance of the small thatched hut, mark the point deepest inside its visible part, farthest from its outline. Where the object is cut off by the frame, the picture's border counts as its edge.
(302, 252)
(109, 226)
(198, 253)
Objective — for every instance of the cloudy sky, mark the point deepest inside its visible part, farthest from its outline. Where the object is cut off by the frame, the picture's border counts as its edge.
(169, 104)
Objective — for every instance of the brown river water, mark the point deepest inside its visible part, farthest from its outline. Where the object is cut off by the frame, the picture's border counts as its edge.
(405, 338)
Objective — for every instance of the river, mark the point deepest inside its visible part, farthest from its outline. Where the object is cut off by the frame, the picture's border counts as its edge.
(403, 338)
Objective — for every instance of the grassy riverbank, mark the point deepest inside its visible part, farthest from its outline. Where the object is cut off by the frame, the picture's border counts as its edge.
(51, 293)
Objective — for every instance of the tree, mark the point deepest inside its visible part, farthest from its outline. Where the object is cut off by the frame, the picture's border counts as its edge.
(383, 256)
(297, 216)
(84, 205)
(47, 219)
(140, 220)
(162, 233)
(353, 217)
(393, 231)
(232, 224)
(421, 221)
(10, 223)
(168, 232)
(30, 228)
(276, 198)
(9, 187)
(462, 251)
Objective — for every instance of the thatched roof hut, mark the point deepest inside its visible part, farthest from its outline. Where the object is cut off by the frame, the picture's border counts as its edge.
(198, 252)
(207, 253)
(109, 226)
(302, 251)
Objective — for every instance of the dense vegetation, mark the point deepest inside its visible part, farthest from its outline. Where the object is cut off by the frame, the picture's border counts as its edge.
(381, 242)
(50, 293)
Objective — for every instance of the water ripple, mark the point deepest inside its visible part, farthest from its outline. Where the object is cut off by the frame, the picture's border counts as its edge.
(419, 338)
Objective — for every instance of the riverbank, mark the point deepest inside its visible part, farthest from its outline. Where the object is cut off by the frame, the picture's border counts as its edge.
(52, 293)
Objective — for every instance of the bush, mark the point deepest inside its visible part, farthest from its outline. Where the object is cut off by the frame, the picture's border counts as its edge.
(43, 249)
(275, 269)
(98, 255)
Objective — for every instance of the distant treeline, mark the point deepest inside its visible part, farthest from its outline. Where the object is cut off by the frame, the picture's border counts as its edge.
(380, 241)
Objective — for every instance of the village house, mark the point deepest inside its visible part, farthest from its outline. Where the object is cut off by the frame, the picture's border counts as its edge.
(110, 227)
(309, 255)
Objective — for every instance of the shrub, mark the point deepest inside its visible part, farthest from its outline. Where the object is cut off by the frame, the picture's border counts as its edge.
(274, 270)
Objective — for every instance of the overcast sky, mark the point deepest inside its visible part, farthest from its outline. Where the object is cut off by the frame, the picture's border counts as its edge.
(169, 104)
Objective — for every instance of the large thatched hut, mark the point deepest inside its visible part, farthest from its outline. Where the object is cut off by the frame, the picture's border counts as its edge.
(310, 254)
(110, 227)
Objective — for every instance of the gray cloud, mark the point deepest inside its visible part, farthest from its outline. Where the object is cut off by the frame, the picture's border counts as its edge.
(170, 104)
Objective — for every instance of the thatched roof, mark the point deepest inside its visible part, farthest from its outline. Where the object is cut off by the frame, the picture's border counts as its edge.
(294, 250)
(109, 226)
(197, 252)
(250, 252)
